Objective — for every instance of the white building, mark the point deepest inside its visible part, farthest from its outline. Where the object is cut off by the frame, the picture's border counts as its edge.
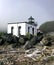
(22, 28)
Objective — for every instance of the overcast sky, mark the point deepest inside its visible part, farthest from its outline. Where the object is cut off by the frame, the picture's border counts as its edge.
(21, 10)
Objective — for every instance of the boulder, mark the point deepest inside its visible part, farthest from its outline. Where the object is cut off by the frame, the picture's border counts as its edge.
(12, 39)
(49, 58)
(52, 52)
(21, 40)
(2, 41)
(30, 43)
(27, 45)
(33, 40)
(45, 42)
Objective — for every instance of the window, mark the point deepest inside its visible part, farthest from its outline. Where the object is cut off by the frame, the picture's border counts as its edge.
(28, 29)
(32, 30)
(12, 30)
(19, 28)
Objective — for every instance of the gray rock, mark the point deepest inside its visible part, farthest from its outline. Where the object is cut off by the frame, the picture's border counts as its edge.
(27, 45)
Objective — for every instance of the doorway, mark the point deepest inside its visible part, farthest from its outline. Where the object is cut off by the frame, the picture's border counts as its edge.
(19, 30)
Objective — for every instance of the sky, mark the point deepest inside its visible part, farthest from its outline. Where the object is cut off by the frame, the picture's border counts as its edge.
(21, 10)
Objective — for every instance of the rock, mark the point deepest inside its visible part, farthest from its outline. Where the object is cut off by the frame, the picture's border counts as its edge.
(34, 55)
(12, 39)
(27, 45)
(39, 38)
(15, 39)
(33, 40)
(21, 40)
(2, 41)
(45, 41)
(49, 58)
(52, 52)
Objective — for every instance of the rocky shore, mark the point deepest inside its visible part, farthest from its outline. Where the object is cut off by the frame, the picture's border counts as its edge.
(34, 56)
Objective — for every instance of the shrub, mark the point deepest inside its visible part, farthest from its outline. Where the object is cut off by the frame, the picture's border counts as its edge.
(2, 33)
(1, 63)
(29, 36)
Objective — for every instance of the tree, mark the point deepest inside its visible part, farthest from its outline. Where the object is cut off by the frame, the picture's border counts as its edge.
(47, 27)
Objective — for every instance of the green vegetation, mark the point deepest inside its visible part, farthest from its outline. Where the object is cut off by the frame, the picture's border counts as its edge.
(2, 33)
(1, 63)
(29, 36)
(47, 27)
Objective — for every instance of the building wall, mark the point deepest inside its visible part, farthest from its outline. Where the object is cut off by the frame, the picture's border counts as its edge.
(24, 29)
(14, 30)
(30, 30)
